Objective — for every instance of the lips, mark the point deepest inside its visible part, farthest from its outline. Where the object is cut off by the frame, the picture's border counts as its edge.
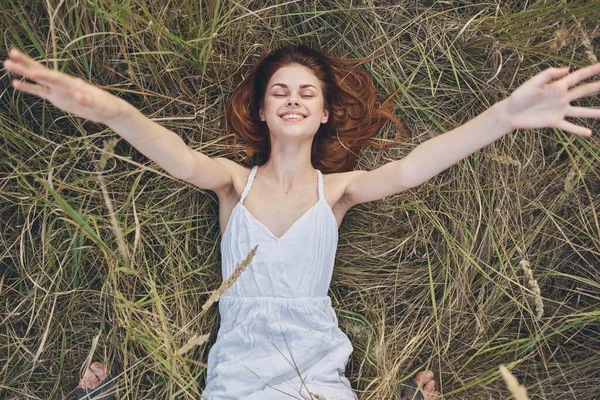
(292, 115)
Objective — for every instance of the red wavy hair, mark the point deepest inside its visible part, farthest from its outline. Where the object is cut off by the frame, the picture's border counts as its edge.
(355, 113)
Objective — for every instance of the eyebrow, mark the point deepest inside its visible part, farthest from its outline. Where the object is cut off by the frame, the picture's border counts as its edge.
(286, 86)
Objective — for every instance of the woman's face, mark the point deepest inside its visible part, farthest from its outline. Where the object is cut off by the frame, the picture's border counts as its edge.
(294, 104)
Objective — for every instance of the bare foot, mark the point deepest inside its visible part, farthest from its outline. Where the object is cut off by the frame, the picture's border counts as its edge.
(93, 376)
(425, 381)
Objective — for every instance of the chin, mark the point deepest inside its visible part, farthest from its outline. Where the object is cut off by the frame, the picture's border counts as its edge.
(299, 133)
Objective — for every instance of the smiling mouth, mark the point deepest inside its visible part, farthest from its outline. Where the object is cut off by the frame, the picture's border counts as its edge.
(293, 117)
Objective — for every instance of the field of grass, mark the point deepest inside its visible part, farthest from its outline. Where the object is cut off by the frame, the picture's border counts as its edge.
(493, 262)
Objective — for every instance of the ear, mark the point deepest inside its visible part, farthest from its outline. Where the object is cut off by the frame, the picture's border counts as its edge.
(325, 116)
(261, 114)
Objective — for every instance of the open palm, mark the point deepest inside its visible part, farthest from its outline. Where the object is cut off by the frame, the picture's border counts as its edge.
(68, 93)
(541, 103)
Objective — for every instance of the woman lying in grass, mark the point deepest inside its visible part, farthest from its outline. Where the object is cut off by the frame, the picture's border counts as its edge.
(299, 113)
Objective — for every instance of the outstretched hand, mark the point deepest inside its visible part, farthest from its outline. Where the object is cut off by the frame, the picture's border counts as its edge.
(70, 94)
(541, 103)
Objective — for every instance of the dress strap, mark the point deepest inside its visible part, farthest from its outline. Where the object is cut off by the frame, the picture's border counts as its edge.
(249, 183)
(320, 185)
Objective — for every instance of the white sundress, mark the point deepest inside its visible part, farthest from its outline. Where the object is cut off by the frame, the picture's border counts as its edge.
(277, 316)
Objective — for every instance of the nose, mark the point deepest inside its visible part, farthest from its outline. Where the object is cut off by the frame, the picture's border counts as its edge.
(293, 100)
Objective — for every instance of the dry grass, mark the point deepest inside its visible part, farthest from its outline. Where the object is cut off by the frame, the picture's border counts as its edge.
(113, 263)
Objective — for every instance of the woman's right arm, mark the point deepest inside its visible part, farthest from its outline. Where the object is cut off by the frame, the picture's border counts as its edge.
(169, 151)
(78, 97)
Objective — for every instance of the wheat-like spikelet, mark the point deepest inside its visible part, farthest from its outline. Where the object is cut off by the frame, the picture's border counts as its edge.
(585, 41)
(560, 38)
(570, 177)
(216, 295)
(192, 342)
(535, 288)
(504, 160)
(513, 384)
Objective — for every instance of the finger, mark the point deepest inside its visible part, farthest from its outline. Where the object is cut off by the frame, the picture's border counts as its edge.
(584, 90)
(549, 74)
(21, 64)
(24, 64)
(23, 58)
(31, 88)
(39, 74)
(50, 77)
(581, 74)
(583, 112)
(16, 68)
(577, 130)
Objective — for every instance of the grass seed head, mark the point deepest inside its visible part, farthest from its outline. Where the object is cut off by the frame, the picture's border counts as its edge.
(535, 288)
(514, 387)
(216, 295)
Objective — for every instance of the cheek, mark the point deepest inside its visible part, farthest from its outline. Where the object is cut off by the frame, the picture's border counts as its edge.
(269, 109)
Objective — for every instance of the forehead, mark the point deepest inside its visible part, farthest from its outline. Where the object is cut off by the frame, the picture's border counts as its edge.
(294, 75)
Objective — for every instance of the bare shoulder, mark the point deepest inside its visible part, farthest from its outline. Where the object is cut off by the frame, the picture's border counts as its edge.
(231, 165)
(336, 185)
(239, 175)
(339, 193)
(365, 186)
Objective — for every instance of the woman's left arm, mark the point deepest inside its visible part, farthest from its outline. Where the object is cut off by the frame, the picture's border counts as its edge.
(542, 101)
(539, 102)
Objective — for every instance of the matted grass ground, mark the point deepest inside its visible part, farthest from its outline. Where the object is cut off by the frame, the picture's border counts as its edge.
(435, 278)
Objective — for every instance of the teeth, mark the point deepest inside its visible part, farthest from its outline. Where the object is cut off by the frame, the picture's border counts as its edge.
(292, 116)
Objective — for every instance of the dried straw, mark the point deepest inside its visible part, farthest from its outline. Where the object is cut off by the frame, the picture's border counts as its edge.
(109, 146)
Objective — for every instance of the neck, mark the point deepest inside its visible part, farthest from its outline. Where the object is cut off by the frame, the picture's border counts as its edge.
(289, 165)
